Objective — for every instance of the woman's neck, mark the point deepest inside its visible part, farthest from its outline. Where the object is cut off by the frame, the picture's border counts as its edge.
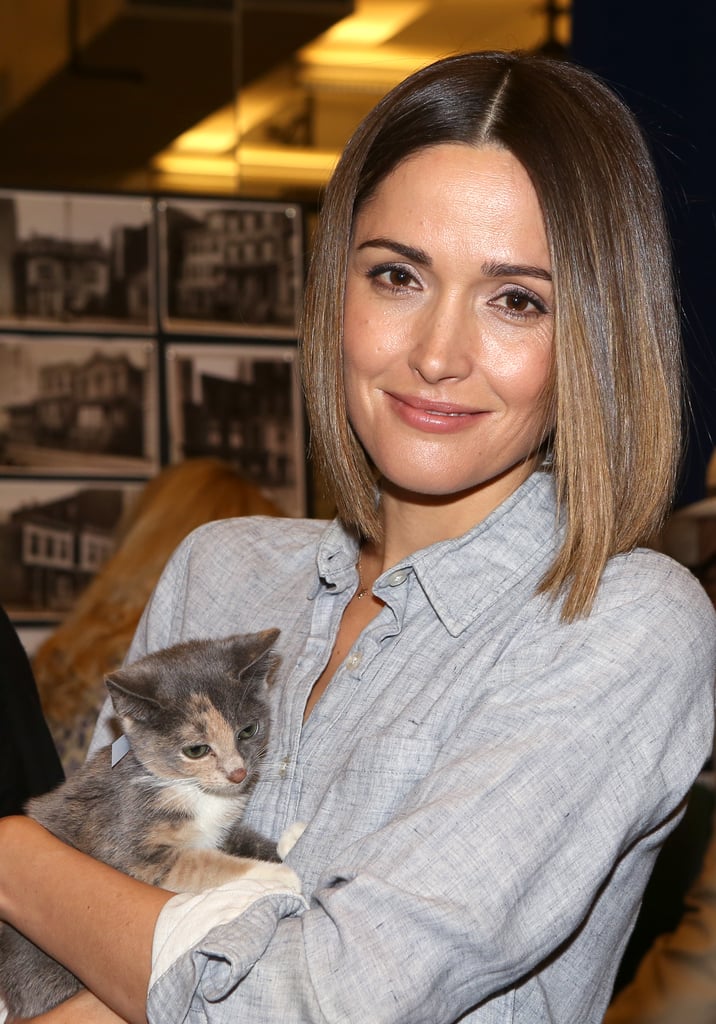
(412, 522)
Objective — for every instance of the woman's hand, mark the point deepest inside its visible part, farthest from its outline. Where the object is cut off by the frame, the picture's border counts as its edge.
(84, 1008)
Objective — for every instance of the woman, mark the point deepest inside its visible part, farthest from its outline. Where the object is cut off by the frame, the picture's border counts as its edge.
(491, 702)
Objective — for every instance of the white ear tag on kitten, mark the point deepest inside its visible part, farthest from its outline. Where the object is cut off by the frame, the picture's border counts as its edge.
(119, 748)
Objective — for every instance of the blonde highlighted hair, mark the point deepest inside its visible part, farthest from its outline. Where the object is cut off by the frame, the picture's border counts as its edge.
(616, 402)
(71, 664)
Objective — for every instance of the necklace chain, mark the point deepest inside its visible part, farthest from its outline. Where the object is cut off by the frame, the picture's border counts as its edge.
(362, 590)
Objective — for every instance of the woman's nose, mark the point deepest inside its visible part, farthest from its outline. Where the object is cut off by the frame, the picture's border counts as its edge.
(443, 344)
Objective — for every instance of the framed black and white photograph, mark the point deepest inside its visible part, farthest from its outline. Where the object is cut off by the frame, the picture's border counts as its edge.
(230, 266)
(54, 537)
(241, 403)
(70, 261)
(78, 406)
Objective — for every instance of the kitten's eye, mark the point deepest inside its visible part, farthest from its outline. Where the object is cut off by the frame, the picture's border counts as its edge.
(248, 731)
(196, 750)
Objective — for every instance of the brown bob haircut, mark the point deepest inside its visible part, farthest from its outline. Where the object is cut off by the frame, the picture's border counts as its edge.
(616, 397)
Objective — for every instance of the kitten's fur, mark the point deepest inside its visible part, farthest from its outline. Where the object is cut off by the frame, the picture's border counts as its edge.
(161, 814)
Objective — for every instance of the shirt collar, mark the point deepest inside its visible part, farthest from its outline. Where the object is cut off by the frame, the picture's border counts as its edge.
(514, 545)
(337, 554)
(462, 577)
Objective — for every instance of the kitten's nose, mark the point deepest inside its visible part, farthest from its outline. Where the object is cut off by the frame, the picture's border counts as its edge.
(238, 775)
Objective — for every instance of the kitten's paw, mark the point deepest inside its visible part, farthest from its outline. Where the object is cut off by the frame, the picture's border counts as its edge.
(289, 838)
(274, 874)
(196, 870)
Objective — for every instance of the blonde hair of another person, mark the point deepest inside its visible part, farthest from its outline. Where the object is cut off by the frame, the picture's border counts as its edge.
(71, 664)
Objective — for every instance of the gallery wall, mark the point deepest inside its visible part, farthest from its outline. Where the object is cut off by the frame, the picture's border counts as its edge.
(136, 331)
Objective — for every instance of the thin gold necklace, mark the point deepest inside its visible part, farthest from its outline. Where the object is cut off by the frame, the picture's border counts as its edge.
(361, 591)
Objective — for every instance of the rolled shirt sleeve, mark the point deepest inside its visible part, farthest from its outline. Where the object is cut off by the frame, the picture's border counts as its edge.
(191, 960)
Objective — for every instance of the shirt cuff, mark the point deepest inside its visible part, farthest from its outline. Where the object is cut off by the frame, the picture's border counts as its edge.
(189, 916)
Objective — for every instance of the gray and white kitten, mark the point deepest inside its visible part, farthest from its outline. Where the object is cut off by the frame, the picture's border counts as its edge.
(196, 718)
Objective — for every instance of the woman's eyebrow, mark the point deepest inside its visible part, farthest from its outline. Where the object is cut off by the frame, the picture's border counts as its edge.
(408, 251)
(515, 270)
(489, 269)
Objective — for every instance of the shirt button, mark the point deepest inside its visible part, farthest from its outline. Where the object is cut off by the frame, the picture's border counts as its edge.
(354, 660)
(397, 577)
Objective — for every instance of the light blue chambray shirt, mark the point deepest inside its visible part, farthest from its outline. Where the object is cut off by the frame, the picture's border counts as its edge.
(485, 787)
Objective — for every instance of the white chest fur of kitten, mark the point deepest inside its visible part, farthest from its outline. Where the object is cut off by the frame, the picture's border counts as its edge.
(210, 815)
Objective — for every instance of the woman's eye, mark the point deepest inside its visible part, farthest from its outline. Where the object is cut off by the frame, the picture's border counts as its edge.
(516, 302)
(395, 278)
(248, 731)
(196, 751)
(520, 303)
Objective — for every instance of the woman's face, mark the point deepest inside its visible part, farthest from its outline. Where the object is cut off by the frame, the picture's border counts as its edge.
(448, 324)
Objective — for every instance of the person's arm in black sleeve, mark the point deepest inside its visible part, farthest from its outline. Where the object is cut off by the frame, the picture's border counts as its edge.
(29, 763)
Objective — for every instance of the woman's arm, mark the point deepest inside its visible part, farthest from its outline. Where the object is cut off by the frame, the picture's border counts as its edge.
(84, 1008)
(96, 921)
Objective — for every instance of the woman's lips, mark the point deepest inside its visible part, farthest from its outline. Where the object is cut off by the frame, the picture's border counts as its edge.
(432, 416)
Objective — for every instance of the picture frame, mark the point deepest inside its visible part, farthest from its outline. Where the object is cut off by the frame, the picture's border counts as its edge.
(54, 537)
(230, 266)
(74, 262)
(33, 634)
(241, 403)
(77, 405)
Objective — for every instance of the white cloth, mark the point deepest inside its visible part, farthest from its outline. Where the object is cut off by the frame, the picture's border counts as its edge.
(188, 917)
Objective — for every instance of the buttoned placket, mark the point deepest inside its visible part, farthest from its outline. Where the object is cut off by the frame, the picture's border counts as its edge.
(327, 604)
(334, 702)
(375, 633)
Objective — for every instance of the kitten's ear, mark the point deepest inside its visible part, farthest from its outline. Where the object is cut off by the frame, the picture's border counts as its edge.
(255, 655)
(127, 701)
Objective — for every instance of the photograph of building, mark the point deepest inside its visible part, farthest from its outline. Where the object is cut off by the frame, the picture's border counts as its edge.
(74, 261)
(53, 539)
(241, 403)
(77, 405)
(230, 266)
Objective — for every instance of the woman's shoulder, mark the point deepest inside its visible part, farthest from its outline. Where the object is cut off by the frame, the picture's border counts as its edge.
(226, 564)
(646, 573)
(262, 536)
(660, 603)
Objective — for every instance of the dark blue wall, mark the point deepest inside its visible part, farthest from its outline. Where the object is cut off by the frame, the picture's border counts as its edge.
(661, 58)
